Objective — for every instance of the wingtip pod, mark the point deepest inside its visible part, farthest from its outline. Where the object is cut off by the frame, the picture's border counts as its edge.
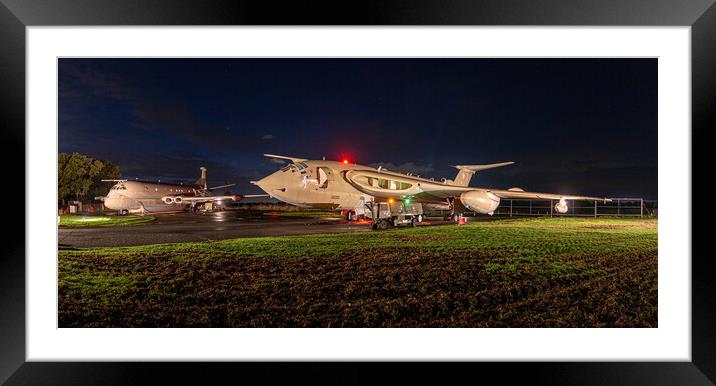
(603, 199)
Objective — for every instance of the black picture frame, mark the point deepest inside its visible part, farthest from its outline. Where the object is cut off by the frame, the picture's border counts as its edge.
(16, 15)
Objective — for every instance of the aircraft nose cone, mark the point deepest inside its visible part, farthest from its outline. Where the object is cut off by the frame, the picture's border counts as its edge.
(264, 183)
(268, 183)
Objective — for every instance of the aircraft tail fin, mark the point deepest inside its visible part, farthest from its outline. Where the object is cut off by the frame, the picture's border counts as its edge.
(292, 159)
(465, 172)
(202, 180)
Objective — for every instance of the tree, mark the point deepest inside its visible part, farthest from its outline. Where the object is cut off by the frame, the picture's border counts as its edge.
(109, 171)
(79, 176)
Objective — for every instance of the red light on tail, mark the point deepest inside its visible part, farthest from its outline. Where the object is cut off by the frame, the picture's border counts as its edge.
(236, 198)
(345, 162)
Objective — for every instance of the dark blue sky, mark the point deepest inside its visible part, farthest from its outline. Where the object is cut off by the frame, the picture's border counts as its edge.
(579, 126)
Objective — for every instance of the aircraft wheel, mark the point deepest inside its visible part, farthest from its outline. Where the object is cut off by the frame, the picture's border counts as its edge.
(413, 222)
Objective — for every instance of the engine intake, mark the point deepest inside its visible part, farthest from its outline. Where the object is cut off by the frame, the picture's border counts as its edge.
(561, 206)
(480, 201)
(172, 199)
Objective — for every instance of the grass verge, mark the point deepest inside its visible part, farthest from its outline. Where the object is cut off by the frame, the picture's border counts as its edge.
(100, 221)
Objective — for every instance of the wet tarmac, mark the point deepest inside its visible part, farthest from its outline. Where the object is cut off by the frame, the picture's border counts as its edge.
(188, 227)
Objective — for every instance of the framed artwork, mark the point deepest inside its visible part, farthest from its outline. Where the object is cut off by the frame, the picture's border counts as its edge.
(378, 99)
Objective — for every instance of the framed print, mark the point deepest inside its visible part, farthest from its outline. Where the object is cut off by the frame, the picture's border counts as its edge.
(226, 178)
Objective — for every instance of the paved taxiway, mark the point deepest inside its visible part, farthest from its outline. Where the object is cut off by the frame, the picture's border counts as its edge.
(188, 227)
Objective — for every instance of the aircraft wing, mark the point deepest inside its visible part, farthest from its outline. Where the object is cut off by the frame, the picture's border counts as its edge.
(200, 199)
(519, 193)
(236, 197)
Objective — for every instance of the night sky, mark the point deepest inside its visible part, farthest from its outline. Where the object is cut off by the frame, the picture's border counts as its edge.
(573, 126)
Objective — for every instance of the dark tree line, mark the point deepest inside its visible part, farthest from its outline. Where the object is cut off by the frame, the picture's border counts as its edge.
(79, 177)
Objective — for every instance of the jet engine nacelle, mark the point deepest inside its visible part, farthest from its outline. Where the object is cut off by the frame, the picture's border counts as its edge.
(561, 206)
(172, 200)
(480, 201)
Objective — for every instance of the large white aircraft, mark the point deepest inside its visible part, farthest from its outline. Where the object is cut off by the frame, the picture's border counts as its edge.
(128, 196)
(342, 185)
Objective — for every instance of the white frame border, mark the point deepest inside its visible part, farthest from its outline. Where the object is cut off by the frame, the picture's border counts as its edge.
(670, 341)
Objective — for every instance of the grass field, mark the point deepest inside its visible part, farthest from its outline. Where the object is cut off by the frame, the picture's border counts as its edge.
(100, 221)
(547, 272)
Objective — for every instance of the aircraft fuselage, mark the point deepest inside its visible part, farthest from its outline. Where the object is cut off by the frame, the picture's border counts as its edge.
(139, 196)
(345, 186)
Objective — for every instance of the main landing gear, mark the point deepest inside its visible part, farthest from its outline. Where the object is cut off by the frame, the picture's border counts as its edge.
(454, 216)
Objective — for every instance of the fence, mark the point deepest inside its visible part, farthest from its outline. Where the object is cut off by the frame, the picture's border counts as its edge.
(618, 207)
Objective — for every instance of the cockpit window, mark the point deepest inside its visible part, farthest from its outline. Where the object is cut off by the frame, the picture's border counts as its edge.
(301, 165)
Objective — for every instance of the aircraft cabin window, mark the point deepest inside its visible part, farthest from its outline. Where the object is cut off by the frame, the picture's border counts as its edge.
(383, 183)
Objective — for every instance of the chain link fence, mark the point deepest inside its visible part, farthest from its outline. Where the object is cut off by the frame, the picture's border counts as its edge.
(618, 207)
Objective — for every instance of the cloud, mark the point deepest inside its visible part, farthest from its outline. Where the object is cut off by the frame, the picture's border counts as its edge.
(79, 81)
(152, 111)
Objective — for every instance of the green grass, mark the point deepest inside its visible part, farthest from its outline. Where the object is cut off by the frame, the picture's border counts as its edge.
(547, 272)
(524, 239)
(99, 221)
